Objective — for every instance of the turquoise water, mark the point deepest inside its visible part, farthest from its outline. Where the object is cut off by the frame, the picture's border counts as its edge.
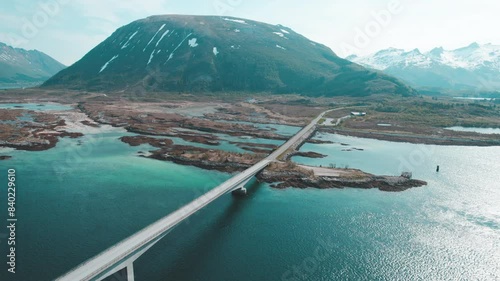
(35, 106)
(488, 131)
(25, 117)
(284, 130)
(76, 200)
(226, 142)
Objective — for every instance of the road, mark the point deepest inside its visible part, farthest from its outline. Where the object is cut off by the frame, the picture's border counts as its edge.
(302, 135)
(124, 250)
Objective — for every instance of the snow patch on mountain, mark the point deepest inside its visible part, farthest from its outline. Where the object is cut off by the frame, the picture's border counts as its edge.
(178, 46)
(107, 63)
(151, 56)
(235, 20)
(130, 38)
(154, 36)
(280, 34)
(161, 38)
(6, 57)
(192, 43)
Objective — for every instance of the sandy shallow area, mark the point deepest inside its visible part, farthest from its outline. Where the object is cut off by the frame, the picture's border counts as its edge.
(80, 123)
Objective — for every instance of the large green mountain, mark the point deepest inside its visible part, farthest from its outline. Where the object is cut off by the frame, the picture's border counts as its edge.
(208, 53)
(22, 68)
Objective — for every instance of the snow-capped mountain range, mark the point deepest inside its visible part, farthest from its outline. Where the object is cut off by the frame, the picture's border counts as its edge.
(475, 67)
(23, 68)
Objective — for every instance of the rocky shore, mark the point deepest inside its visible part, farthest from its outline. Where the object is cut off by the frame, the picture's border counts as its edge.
(383, 183)
(256, 147)
(31, 130)
(286, 175)
(195, 156)
(308, 154)
(450, 138)
(44, 141)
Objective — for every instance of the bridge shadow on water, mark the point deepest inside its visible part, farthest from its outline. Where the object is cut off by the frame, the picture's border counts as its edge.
(191, 243)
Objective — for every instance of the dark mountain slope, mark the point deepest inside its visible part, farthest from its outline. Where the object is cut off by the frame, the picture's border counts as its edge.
(208, 53)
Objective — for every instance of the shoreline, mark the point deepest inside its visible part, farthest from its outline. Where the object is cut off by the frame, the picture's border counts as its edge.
(336, 178)
(413, 139)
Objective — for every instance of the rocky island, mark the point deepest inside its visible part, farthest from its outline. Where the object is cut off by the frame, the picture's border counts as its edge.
(32, 130)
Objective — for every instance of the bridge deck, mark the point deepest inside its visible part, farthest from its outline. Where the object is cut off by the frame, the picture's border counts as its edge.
(117, 253)
(102, 263)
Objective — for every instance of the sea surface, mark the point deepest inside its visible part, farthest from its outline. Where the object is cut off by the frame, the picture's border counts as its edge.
(83, 196)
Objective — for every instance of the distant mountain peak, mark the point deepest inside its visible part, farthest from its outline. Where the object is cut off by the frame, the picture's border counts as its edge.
(25, 68)
(437, 50)
(474, 45)
(415, 51)
(351, 57)
(473, 66)
(390, 50)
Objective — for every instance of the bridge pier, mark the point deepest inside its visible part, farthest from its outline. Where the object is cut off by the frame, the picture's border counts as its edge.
(124, 274)
(240, 190)
(124, 271)
(130, 272)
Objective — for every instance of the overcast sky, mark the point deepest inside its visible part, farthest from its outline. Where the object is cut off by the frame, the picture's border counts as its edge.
(68, 29)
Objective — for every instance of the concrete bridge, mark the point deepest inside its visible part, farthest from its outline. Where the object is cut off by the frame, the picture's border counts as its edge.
(116, 263)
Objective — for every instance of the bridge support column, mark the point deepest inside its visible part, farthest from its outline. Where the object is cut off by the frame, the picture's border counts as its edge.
(130, 272)
(240, 190)
(118, 272)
